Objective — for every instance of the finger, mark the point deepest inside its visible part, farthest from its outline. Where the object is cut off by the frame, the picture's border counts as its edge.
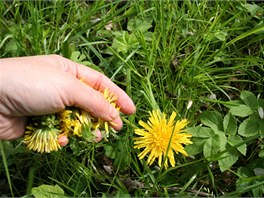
(100, 82)
(91, 77)
(98, 135)
(63, 140)
(117, 123)
(83, 96)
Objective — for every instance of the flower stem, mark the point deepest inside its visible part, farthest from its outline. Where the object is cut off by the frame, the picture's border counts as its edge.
(128, 122)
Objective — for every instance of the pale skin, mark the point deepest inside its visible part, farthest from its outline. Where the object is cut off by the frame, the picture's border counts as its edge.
(39, 85)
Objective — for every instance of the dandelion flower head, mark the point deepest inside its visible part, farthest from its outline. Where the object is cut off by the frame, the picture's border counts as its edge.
(73, 120)
(161, 138)
(42, 134)
(102, 124)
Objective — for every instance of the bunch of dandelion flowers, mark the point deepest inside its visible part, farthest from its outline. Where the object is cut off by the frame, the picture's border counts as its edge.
(161, 138)
(42, 135)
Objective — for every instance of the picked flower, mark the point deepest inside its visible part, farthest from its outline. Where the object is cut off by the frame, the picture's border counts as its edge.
(42, 134)
(49, 132)
(104, 125)
(161, 138)
(73, 121)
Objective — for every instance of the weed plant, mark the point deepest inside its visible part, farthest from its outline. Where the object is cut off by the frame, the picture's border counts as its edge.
(202, 59)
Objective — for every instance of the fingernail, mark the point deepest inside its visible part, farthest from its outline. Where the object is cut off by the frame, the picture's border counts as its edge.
(63, 140)
(113, 112)
(117, 123)
(98, 135)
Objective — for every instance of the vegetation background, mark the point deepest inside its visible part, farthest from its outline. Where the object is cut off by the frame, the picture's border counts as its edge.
(202, 59)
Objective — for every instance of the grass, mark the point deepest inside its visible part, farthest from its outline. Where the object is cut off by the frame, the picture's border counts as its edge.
(164, 54)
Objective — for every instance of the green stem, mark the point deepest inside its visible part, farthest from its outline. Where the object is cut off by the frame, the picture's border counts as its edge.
(128, 122)
(6, 167)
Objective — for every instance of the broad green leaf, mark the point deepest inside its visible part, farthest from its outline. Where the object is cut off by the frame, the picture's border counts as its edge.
(201, 132)
(249, 99)
(222, 140)
(212, 119)
(207, 149)
(120, 45)
(196, 147)
(110, 152)
(252, 8)
(261, 127)
(261, 154)
(12, 46)
(228, 159)
(125, 42)
(139, 24)
(233, 103)
(75, 56)
(47, 191)
(241, 110)
(236, 140)
(211, 146)
(230, 124)
(221, 35)
(119, 33)
(249, 127)
(67, 49)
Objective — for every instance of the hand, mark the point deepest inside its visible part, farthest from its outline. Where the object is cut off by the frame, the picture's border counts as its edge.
(46, 84)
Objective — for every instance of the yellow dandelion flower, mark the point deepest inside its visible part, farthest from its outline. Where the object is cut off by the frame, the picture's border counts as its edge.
(42, 140)
(99, 123)
(65, 121)
(73, 121)
(161, 137)
(111, 98)
(77, 128)
(84, 117)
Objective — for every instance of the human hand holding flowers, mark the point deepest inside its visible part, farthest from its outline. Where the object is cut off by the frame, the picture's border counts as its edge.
(47, 84)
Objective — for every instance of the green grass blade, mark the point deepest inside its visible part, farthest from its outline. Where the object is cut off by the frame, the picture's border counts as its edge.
(255, 30)
(6, 167)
